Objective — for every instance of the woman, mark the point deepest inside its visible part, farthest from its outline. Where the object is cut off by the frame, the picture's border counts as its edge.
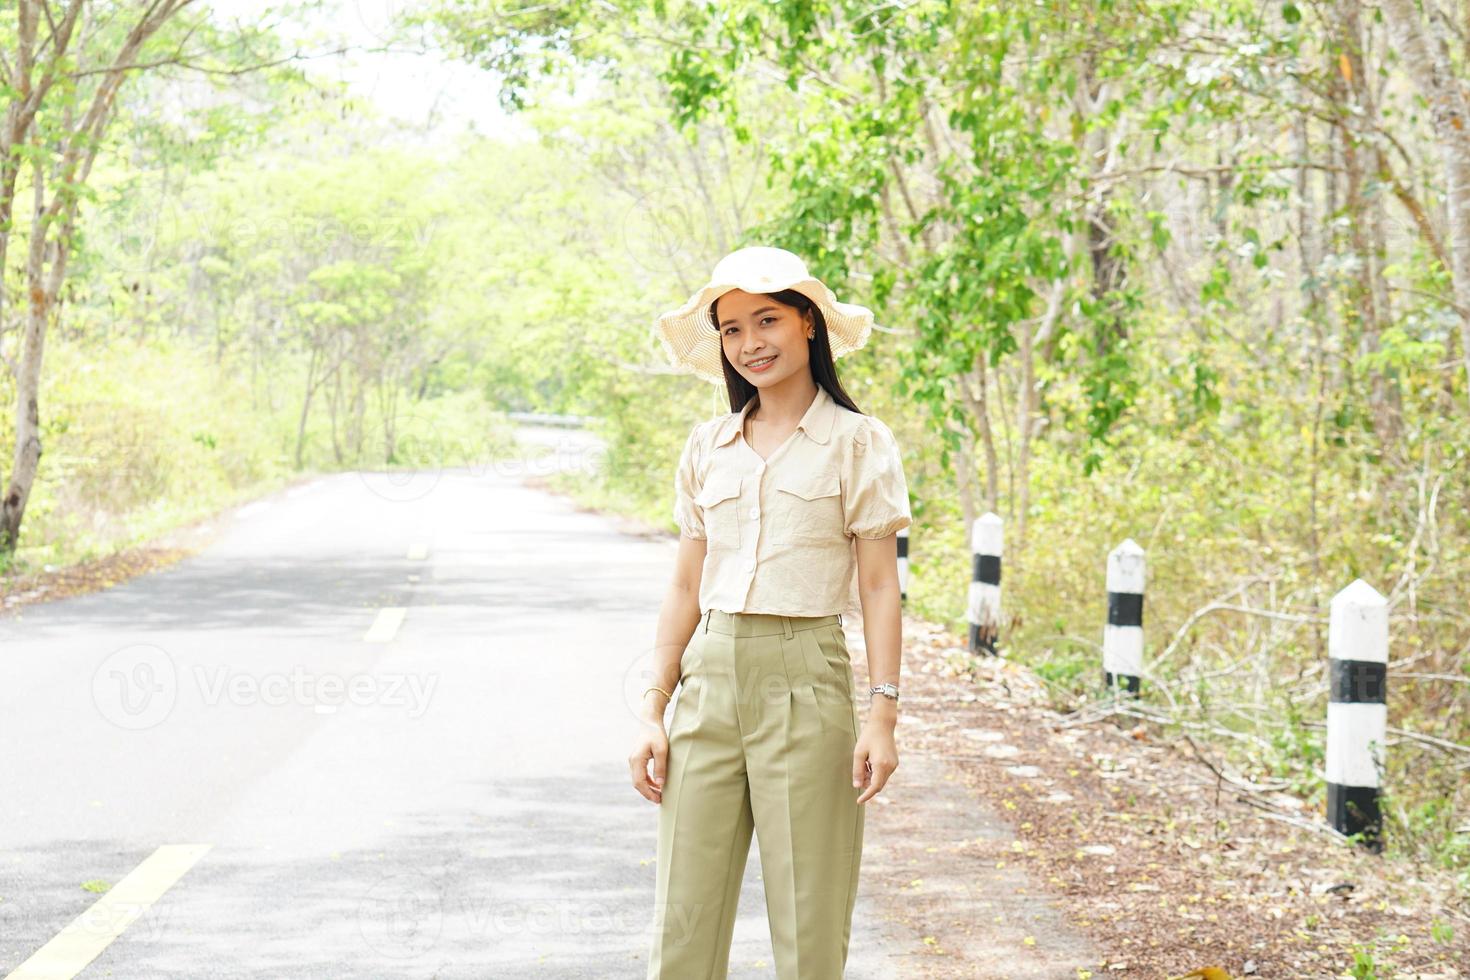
(778, 502)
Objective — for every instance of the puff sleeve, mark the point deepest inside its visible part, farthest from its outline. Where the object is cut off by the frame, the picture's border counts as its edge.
(876, 500)
(687, 483)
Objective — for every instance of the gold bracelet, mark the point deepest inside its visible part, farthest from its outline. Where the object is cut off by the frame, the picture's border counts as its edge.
(659, 690)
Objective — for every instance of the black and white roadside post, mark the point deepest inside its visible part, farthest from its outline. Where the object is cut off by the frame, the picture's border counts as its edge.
(903, 564)
(986, 541)
(1123, 634)
(1357, 710)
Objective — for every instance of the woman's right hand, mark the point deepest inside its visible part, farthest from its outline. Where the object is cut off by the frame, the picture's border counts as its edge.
(650, 745)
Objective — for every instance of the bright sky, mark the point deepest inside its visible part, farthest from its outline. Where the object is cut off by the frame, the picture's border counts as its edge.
(422, 90)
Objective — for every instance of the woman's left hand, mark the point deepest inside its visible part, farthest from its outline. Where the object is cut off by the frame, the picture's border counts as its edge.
(873, 759)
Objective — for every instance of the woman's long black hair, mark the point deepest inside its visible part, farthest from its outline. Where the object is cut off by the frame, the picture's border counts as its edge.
(819, 350)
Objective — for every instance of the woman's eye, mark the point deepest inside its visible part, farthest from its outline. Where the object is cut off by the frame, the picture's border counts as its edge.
(764, 320)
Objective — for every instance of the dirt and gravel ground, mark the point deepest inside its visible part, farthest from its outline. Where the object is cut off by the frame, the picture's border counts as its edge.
(1156, 865)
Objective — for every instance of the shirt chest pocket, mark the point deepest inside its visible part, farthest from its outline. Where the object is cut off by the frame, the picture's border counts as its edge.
(808, 507)
(720, 500)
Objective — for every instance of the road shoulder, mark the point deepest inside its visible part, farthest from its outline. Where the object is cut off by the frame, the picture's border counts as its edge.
(1154, 863)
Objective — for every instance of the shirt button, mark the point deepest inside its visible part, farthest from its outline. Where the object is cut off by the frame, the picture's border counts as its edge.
(750, 566)
(755, 512)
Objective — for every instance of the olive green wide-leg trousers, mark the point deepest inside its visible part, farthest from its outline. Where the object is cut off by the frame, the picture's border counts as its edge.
(761, 741)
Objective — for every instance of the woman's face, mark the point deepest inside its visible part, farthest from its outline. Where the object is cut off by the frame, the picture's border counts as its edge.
(764, 338)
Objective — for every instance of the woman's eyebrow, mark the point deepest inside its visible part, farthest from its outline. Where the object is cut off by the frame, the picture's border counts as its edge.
(763, 309)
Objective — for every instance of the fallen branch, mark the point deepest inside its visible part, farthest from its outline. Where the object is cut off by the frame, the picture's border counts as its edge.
(1274, 813)
(1438, 743)
(1238, 782)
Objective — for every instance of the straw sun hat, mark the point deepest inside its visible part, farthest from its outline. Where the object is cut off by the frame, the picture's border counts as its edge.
(689, 336)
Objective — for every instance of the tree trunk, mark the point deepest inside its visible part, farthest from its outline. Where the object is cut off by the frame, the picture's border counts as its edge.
(975, 390)
(27, 459)
(311, 384)
(1369, 304)
(1425, 53)
(965, 469)
(63, 163)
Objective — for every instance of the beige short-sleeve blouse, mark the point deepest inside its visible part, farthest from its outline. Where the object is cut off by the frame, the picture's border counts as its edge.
(779, 531)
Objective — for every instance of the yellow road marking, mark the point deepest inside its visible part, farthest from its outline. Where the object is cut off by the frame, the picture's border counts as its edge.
(418, 552)
(90, 933)
(385, 626)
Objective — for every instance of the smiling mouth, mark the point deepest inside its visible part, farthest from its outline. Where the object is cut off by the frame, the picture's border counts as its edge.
(760, 363)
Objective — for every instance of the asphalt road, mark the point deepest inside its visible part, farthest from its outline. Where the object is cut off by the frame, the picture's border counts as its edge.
(377, 729)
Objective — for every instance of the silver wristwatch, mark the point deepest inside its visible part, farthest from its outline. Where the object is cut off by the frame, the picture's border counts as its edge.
(889, 690)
